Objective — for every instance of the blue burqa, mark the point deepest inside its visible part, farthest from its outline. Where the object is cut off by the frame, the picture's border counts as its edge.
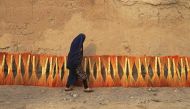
(75, 55)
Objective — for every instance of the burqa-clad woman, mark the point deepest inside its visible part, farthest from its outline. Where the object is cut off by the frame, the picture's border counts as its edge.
(74, 64)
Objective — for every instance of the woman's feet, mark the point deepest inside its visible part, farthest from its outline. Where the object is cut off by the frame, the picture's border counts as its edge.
(85, 90)
(68, 89)
(88, 90)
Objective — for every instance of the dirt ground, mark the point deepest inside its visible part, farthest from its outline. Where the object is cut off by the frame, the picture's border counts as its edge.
(29, 97)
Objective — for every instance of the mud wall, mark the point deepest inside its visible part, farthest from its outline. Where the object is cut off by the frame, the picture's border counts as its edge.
(114, 27)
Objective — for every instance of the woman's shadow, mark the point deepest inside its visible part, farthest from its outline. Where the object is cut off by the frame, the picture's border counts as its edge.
(90, 50)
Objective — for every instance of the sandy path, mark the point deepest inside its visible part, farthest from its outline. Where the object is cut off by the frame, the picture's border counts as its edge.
(28, 97)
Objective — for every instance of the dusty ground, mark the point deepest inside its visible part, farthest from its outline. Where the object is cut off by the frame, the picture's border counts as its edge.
(22, 97)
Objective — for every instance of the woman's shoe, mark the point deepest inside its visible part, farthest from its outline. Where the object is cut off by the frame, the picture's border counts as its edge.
(88, 90)
(68, 89)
